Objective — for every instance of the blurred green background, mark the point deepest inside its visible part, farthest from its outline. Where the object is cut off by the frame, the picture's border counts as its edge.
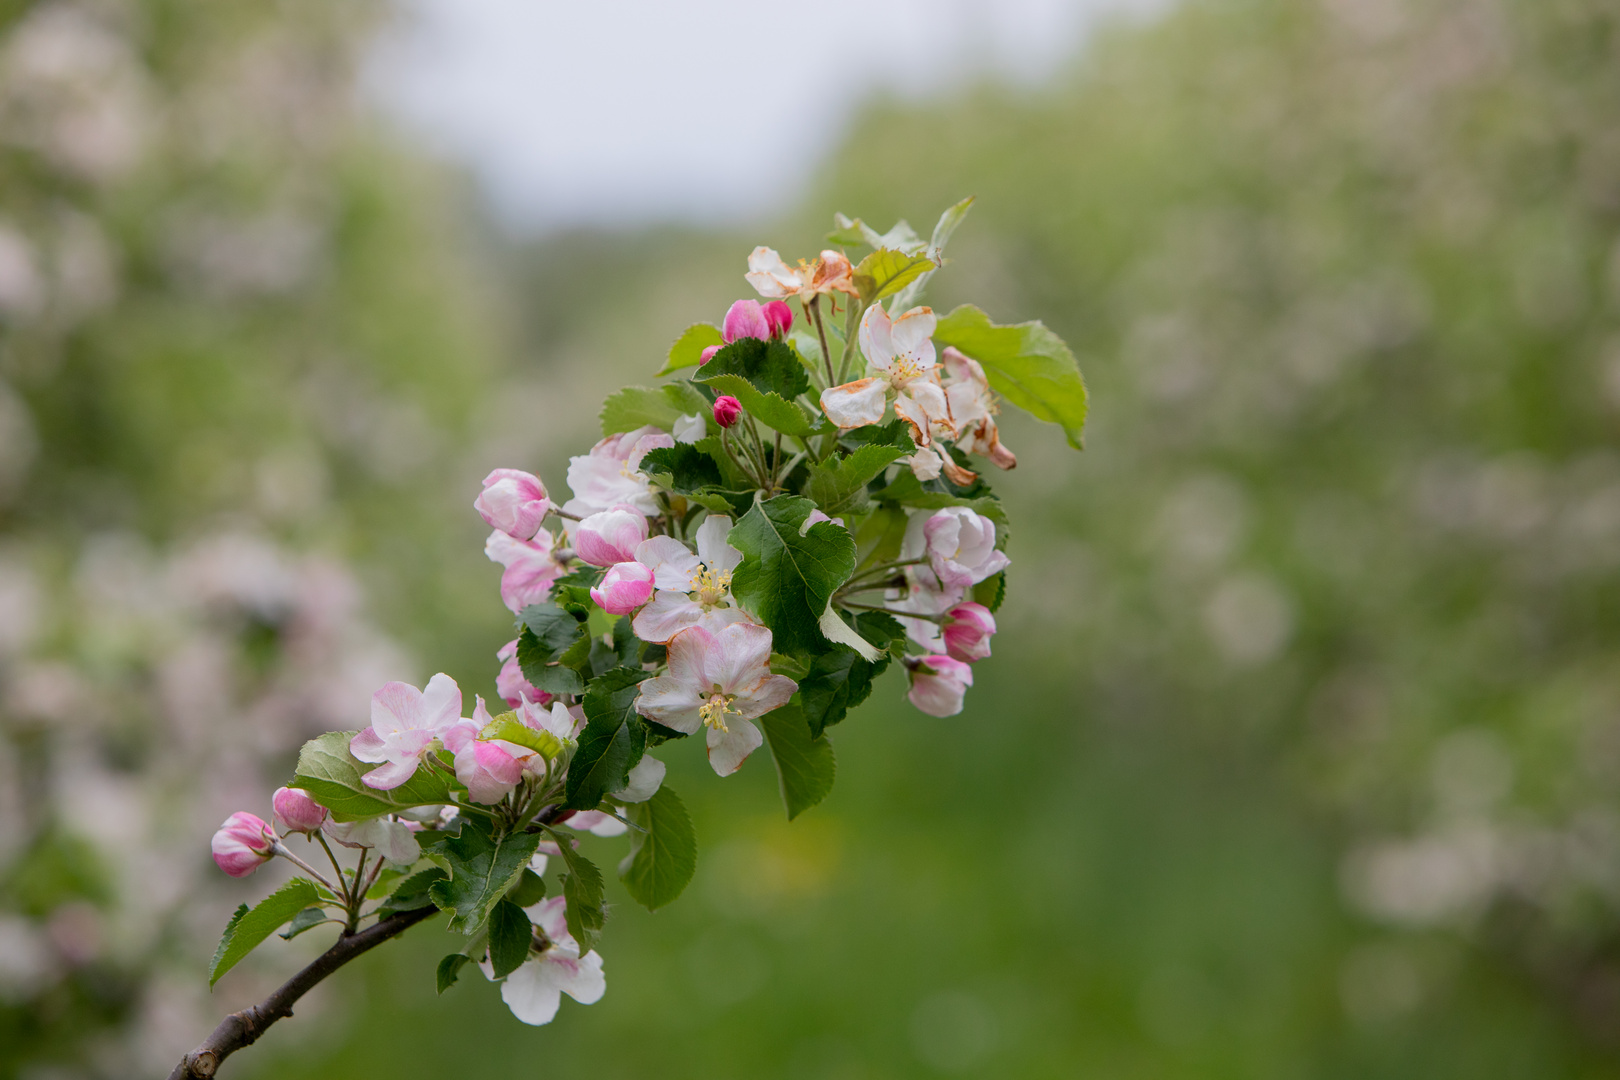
(1299, 751)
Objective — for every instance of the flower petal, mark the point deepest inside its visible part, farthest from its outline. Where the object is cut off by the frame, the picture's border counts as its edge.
(855, 404)
(670, 702)
(729, 749)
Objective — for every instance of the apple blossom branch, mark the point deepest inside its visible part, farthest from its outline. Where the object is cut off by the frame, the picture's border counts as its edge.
(243, 1028)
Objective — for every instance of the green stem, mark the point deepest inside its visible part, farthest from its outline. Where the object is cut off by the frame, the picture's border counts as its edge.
(814, 311)
(940, 619)
(850, 323)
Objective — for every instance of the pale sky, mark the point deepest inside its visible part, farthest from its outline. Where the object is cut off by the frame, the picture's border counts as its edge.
(632, 111)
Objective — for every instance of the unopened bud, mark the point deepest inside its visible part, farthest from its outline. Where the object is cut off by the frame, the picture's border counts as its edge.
(779, 317)
(296, 811)
(708, 354)
(745, 319)
(625, 587)
(727, 410)
(243, 844)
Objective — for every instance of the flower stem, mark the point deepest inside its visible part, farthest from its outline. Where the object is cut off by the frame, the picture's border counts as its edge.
(281, 849)
(849, 341)
(940, 619)
(813, 309)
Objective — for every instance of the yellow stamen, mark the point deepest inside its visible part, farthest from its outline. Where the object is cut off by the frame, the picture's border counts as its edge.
(713, 712)
(709, 587)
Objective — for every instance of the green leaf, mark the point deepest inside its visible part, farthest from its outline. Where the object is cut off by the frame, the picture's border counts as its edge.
(482, 867)
(554, 629)
(786, 578)
(663, 855)
(331, 775)
(879, 536)
(510, 934)
(612, 742)
(509, 727)
(902, 237)
(772, 367)
(450, 968)
(682, 467)
(308, 919)
(638, 406)
(688, 348)
(769, 408)
(948, 221)
(248, 927)
(841, 484)
(991, 591)
(885, 272)
(529, 890)
(1026, 363)
(413, 892)
(582, 893)
(805, 766)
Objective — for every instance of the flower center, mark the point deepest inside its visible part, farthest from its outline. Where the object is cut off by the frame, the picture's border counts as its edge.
(713, 711)
(903, 370)
(710, 587)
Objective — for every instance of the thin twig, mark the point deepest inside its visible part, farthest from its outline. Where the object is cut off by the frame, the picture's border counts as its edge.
(814, 311)
(243, 1028)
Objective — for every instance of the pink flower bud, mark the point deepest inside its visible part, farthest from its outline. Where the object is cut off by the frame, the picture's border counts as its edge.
(708, 354)
(938, 684)
(296, 811)
(961, 546)
(242, 844)
(610, 536)
(625, 587)
(511, 683)
(779, 317)
(726, 410)
(745, 319)
(514, 502)
(967, 635)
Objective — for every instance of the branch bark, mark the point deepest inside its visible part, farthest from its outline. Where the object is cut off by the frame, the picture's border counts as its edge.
(241, 1029)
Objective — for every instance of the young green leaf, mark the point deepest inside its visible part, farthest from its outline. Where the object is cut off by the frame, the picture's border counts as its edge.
(948, 221)
(660, 406)
(249, 926)
(771, 367)
(582, 893)
(805, 767)
(510, 934)
(688, 348)
(308, 919)
(885, 272)
(508, 727)
(482, 867)
(1026, 363)
(663, 855)
(841, 484)
(450, 968)
(991, 591)
(331, 775)
(612, 742)
(788, 574)
(413, 892)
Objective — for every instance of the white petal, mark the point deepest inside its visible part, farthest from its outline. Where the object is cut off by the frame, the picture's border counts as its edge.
(645, 780)
(876, 344)
(855, 404)
(531, 993)
(712, 547)
(838, 630)
(580, 979)
(738, 656)
(669, 613)
(441, 703)
(670, 702)
(729, 749)
(671, 562)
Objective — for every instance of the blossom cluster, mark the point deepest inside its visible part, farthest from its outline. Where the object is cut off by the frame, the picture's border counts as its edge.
(741, 556)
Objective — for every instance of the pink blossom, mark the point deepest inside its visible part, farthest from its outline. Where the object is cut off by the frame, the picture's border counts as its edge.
(610, 475)
(610, 536)
(727, 410)
(530, 567)
(692, 589)
(923, 595)
(243, 844)
(745, 319)
(296, 811)
(511, 683)
(488, 769)
(721, 681)
(405, 722)
(625, 587)
(967, 635)
(779, 317)
(514, 502)
(707, 354)
(534, 991)
(938, 684)
(960, 545)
